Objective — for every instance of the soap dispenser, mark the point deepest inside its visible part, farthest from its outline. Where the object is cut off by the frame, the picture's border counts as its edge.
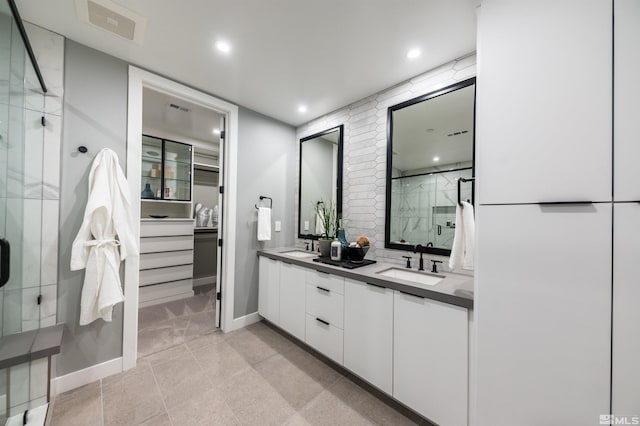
(336, 250)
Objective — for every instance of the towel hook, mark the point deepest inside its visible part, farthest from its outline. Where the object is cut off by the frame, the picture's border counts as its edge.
(262, 197)
(82, 149)
(460, 180)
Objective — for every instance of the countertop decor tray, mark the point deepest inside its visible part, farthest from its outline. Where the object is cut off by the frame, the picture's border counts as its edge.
(348, 264)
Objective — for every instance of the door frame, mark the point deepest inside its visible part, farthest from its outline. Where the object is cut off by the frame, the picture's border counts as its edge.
(139, 79)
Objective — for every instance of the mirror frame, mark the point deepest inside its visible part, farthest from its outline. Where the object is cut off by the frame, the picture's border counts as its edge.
(340, 130)
(436, 93)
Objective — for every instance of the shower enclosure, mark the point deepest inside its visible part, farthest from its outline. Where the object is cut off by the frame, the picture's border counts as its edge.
(24, 224)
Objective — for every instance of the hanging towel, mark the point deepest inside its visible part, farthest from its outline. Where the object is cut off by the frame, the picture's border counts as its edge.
(319, 225)
(462, 252)
(105, 238)
(264, 224)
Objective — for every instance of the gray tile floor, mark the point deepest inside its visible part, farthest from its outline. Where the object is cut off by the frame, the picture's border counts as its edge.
(189, 374)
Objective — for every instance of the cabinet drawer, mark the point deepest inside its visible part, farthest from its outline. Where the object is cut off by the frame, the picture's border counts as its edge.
(163, 275)
(161, 293)
(326, 339)
(164, 259)
(328, 281)
(159, 244)
(165, 228)
(326, 305)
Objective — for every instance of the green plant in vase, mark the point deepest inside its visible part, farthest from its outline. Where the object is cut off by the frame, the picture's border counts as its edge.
(329, 219)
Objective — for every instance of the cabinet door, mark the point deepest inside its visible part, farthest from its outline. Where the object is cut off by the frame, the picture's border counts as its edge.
(543, 314)
(430, 358)
(626, 95)
(269, 289)
(368, 333)
(292, 299)
(543, 102)
(626, 315)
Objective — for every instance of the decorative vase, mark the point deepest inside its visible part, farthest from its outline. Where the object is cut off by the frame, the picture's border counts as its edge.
(147, 193)
(325, 247)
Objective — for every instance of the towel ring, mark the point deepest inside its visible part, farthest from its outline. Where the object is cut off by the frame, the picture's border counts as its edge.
(262, 197)
(460, 180)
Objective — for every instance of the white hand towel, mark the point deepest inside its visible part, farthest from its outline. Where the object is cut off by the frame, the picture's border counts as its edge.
(264, 224)
(319, 225)
(469, 223)
(462, 252)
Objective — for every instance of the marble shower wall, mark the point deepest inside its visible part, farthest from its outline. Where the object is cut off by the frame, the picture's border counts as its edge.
(365, 151)
(419, 204)
(30, 155)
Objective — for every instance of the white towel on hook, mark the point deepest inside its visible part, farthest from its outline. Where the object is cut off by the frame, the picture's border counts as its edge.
(462, 252)
(264, 224)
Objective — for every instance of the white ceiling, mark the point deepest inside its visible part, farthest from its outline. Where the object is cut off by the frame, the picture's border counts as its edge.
(321, 53)
(179, 119)
(422, 131)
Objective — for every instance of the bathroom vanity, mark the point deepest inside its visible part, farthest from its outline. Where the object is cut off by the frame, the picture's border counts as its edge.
(403, 331)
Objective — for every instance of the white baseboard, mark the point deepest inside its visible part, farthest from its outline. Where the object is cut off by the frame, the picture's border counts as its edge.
(244, 321)
(85, 376)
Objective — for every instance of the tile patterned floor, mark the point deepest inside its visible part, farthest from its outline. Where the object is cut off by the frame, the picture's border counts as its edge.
(192, 375)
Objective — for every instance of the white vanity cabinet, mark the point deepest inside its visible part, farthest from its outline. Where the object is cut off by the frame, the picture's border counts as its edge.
(292, 299)
(325, 314)
(625, 97)
(625, 393)
(368, 333)
(543, 104)
(269, 289)
(430, 358)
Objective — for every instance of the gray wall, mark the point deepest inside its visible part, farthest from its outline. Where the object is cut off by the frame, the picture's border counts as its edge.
(95, 115)
(267, 161)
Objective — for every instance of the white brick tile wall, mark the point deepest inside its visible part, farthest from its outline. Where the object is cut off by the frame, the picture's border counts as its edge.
(365, 152)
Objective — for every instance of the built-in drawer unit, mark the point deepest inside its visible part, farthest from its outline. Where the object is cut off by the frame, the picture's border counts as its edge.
(166, 227)
(325, 338)
(166, 260)
(325, 280)
(325, 304)
(325, 313)
(161, 260)
(163, 244)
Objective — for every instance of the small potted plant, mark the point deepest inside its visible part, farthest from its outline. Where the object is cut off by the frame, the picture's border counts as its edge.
(326, 214)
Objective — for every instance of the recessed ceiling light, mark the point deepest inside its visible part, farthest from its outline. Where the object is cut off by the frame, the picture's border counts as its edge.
(436, 159)
(302, 109)
(216, 131)
(413, 53)
(223, 46)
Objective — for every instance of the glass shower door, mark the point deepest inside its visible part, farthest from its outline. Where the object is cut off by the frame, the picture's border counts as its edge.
(21, 200)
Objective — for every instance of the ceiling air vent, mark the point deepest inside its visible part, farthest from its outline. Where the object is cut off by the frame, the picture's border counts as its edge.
(113, 18)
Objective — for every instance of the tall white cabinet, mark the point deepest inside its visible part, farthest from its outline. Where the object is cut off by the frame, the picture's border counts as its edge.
(625, 393)
(543, 101)
(626, 96)
(543, 279)
(543, 308)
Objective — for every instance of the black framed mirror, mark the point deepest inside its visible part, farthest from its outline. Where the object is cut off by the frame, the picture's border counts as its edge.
(320, 178)
(430, 145)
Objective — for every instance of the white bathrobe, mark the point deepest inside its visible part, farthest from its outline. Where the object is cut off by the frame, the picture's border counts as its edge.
(107, 215)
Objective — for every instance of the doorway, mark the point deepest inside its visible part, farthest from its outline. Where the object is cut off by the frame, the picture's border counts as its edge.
(179, 221)
(181, 145)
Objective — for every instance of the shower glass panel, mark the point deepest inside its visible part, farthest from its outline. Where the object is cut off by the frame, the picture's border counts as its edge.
(21, 194)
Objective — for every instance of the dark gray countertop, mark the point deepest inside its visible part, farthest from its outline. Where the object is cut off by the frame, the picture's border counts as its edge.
(455, 289)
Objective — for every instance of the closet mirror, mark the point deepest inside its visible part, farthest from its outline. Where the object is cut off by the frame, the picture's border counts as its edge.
(430, 146)
(320, 178)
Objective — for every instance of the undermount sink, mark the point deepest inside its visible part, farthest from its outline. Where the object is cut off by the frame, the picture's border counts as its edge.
(300, 253)
(415, 277)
